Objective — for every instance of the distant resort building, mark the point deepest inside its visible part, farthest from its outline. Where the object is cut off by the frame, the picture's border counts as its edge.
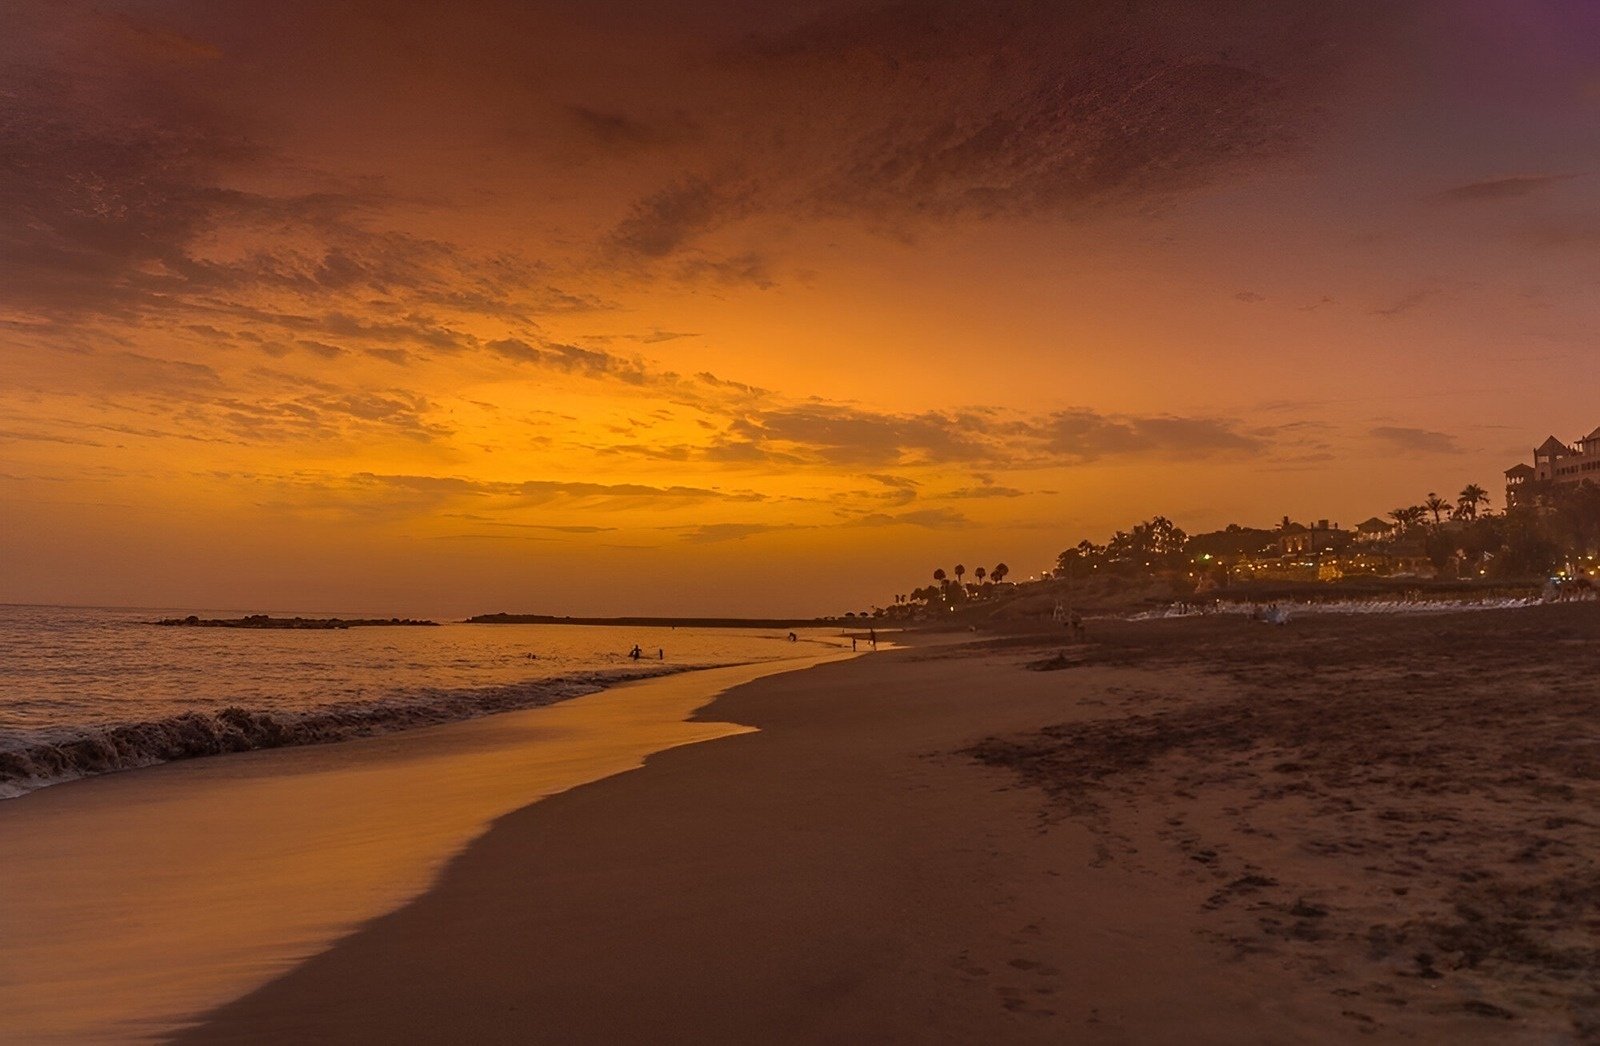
(1554, 462)
(1321, 536)
(1373, 531)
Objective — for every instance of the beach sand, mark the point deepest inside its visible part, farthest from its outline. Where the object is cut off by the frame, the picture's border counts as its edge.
(1202, 830)
(133, 901)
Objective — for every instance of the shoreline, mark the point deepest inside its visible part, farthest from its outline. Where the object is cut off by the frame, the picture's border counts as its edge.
(96, 750)
(668, 622)
(137, 900)
(370, 687)
(904, 851)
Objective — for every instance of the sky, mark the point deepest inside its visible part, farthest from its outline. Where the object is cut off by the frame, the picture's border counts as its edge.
(739, 307)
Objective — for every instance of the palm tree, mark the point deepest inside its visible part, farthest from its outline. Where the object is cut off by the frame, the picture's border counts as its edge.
(1406, 518)
(939, 576)
(1436, 505)
(980, 574)
(1470, 498)
(960, 570)
(998, 574)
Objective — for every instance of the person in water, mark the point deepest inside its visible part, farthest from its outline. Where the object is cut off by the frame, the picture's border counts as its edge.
(635, 653)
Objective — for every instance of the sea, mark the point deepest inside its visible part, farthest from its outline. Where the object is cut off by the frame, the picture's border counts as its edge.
(87, 691)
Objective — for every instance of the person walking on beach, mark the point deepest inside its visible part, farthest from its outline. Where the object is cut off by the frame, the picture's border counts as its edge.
(852, 644)
(635, 653)
(872, 637)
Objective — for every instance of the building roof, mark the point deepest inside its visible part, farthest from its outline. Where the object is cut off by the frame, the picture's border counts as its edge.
(1377, 524)
(1520, 470)
(1553, 446)
(1592, 436)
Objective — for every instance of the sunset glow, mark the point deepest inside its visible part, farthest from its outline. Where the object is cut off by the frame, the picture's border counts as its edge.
(762, 308)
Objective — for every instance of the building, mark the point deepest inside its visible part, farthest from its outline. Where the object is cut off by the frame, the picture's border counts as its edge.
(1373, 531)
(1555, 463)
(1321, 536)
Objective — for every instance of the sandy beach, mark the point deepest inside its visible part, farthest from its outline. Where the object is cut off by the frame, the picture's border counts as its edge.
(134, 901)
(1199, 830)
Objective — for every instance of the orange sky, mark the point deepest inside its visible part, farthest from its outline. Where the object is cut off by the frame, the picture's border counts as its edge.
(614, 307)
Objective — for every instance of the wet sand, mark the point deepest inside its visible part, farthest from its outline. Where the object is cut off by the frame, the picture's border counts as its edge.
(134, 901)
(1197, 831)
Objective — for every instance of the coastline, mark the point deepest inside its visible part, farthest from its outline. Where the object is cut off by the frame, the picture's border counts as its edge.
(903, 851)
(135, 900)
(93, 691)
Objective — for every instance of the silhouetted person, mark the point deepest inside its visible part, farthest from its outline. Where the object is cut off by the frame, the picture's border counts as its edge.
(635, 652)
(852, 643)
(872, 637)
(661, 655)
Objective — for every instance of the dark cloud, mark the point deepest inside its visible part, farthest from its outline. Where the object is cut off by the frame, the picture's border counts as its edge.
(1509, 187)
(1087, 436)
(572, 359)
(840, 435)
(618, 130)
(399, 357)
(326, 351)
(1403, 305)
(948, 108)
(671, 218)
(930, 519)
(317, 415)
(538, 490)
(848, 436)
(988, 490)
(1422, 441)
(709, 533)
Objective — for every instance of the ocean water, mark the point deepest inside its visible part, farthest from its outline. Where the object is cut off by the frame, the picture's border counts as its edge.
(86, 691)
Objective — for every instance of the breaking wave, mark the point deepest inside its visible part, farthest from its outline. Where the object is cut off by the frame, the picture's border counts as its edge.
(65, 754)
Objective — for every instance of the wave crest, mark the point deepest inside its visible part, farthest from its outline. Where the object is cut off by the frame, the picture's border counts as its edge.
(29, 763)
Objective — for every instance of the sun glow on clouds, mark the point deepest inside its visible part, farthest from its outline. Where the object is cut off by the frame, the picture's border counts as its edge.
(317, 309)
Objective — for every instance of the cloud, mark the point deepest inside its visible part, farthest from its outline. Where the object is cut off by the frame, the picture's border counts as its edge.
(1421, 441)
(543, 490)
(842, 435)
(572, 359)
(617, 131)
(847, 436)
(750, 268)
(931, 519)
(1092, 103)
(1506, 188)
(1403, 305)
(325, 350)
(989, 490)
(928, 518)
(710, 533)
(670, 218)
(1083, 435)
